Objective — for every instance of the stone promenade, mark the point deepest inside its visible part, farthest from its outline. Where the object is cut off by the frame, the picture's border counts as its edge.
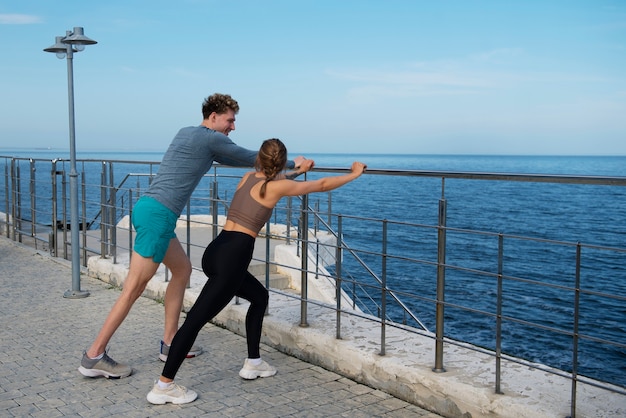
(43, 335)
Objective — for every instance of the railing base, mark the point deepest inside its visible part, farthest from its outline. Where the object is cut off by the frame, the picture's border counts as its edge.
(75, 294)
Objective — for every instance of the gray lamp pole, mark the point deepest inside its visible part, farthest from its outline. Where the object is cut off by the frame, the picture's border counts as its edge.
(64, 47)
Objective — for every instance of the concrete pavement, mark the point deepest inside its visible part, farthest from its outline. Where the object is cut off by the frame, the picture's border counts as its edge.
(43, 335)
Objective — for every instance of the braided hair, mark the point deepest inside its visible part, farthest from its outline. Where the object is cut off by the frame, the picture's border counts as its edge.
(271, 160)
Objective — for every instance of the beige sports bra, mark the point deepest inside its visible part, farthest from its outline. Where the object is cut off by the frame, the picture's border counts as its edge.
(246, 211)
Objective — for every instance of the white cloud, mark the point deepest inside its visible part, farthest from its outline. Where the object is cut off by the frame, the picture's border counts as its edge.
(18, 19)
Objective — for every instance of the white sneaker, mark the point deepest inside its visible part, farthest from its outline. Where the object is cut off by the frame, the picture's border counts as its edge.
(252, 372)
(174, 393)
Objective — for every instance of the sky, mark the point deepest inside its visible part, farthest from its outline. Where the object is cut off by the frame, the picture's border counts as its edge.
(532, 77)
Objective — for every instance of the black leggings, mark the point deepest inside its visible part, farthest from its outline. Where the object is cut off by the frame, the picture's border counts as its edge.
(225, 262)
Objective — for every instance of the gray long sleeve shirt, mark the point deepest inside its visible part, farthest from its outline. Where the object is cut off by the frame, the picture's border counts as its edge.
(188, 158)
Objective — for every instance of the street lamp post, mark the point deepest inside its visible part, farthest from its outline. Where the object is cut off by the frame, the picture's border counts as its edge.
(64, 47)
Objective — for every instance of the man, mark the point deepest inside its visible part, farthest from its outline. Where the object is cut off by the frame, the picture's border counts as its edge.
(188, 158)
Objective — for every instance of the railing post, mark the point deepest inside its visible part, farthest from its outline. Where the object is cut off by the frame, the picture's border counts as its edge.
(188, 228)
(338, 258)
(330, 209)
(316, 219)
(112, 213)
(83, 187)
(304, 227)
(214, 196)
(11, 234)
(103, 212)
(17, 219)
(64, 211)
(188, 234)
(130, 222)
(289, 209)
(33, 201)
(317, 257)
(53, 240)
(575, 333)
(299, 236)
(6, 200)
(316, 229)
(499, 313)
(267, 260)
(441, 281)
(383, 296)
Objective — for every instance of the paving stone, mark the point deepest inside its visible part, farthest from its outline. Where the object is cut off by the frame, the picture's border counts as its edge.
(44, 335)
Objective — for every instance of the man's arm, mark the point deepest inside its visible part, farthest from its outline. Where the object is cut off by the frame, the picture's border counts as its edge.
(228, 153)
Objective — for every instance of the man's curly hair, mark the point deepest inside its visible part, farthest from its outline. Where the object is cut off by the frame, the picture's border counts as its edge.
(219, 103)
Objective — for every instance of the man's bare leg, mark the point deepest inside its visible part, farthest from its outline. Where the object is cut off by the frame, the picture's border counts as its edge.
(140, 272)
(180, 266)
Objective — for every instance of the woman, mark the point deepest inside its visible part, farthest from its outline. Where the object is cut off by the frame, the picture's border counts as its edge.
(226, 260)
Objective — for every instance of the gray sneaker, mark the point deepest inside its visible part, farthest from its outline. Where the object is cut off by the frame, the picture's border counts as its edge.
(165, 351)
(105, 366)
(174, 393)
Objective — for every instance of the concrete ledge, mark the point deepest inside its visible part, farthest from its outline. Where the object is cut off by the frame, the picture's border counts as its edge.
(466, 389)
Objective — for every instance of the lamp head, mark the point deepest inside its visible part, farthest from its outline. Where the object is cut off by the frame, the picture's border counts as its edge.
(77, 37)
(58, 48)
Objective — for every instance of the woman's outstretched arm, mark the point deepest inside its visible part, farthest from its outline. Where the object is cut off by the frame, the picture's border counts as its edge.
(278, 189)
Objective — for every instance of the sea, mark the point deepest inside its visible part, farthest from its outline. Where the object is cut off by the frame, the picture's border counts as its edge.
(594, 215)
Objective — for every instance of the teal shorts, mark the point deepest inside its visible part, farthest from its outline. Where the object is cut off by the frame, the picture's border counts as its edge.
(154, 225)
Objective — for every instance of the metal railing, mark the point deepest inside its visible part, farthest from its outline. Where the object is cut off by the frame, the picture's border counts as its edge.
(446, 273)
